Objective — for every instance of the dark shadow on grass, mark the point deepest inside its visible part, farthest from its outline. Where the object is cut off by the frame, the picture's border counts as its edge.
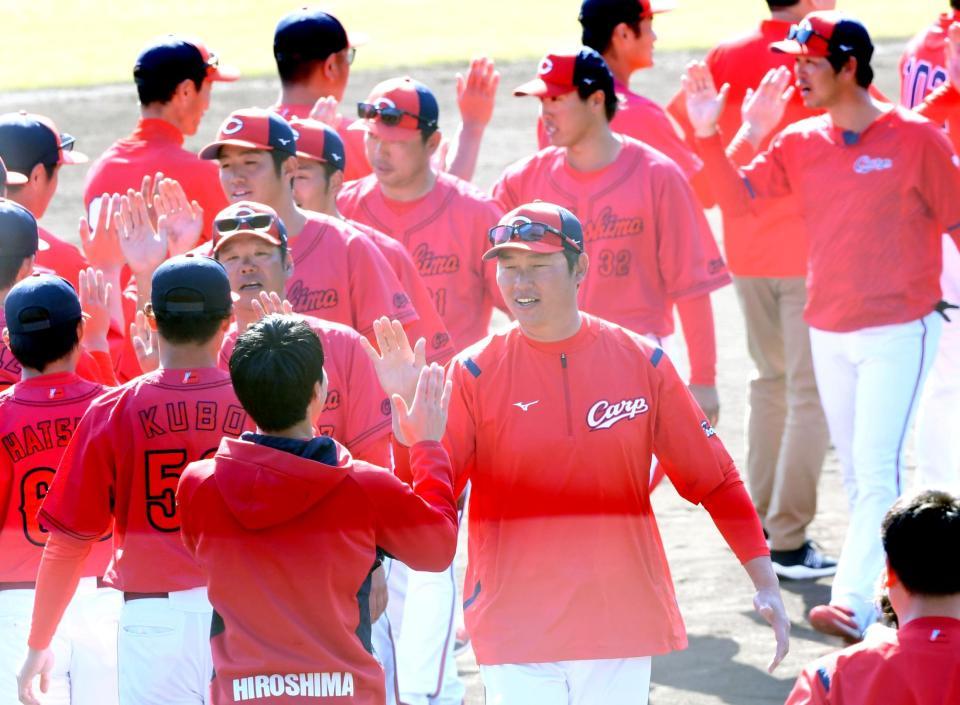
(707, 666)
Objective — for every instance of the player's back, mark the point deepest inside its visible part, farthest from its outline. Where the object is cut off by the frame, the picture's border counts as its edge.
(37, 419)
(125, 460)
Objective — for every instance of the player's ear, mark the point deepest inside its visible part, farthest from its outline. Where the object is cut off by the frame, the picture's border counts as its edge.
(330, 67)
(433, 142)
(289, 168)
(186, 88)
(335, 182)
(580, 269)
(151, 317)
(890, 578)
(38, 174)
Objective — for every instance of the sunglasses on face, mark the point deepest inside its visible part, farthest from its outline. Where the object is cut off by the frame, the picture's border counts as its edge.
(255, 221)
(529, 232)
(391, 116)
(802, 32)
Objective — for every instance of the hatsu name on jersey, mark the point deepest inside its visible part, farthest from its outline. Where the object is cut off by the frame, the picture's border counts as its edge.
(179, 416)
(604, 414)
(304, 299)
(335, 684)
(39, 436)
(608, 225)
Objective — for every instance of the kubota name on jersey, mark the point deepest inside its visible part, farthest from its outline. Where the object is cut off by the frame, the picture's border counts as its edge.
(336, 684)
(603, 414)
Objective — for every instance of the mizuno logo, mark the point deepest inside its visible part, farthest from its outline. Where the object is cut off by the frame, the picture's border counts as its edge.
(603, 414)
(336, 157)
(283, 141)
(524, 405)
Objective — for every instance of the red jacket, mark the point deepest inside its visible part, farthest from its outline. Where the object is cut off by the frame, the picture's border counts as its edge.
(286, 532)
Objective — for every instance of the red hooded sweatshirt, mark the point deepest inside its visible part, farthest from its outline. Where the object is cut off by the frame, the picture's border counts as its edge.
(286, 532)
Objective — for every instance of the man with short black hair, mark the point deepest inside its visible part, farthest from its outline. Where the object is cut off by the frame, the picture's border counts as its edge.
(121, 470)
(283, 495)
(174, 77)
(919, 661)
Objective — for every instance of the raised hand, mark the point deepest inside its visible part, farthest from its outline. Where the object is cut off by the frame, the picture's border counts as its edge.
(179, 220)
(95, 302)
(426, 418)
(143, 248)
(763, 108)
(953, 54)
(144, 339)
(270, 303)
(477, 92)
(704, 102)
(325, 110)
(148, 189)
(398, 365)
(101, 245)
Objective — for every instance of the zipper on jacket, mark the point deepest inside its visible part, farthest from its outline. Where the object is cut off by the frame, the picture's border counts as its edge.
(566, 392)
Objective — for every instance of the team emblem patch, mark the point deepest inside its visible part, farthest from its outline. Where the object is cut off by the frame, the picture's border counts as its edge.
(605, 414)
(232, 126)
(707, 429)
(546, 66)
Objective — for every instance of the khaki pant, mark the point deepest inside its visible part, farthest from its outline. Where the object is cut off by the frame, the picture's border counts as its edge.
(787, 434)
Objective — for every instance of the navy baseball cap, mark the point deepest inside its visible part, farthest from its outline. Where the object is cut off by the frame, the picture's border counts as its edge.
(11, 178)
(827, 33)
(40, 302)
(308, 34)
(317, 140)
(176, 57)
(19, 236)
(254, 128)
(27, 140)
(191, 283)
(559, 74)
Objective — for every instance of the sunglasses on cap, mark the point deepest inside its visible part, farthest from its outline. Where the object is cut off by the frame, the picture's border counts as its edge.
(254, 221)
(529, 232)
(802, 32)
(391, 117)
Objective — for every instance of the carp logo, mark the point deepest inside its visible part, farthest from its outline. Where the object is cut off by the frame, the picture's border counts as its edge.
(708, 429)
(865, 164)
(603, 414)
(384, 103)
(439, 340)
(400, 300)
(232, 126)
(545, 67)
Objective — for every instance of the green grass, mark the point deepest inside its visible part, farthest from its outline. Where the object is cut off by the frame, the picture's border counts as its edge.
(53, 43)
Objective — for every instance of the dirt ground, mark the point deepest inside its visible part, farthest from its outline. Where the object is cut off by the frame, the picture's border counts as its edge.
(729, 645)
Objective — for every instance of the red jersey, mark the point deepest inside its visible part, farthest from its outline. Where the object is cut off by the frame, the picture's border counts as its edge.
(875, 205)
(61, 258)
(428, 326)
(923, 67)
(37, 419)
(772, 242)
(915, 665)
(123, 464)
(556, 440)
(355, 155)
(446, 234)
(286, 532)
(157, 145)
(357, 412)
(648, 241)
(339, 275)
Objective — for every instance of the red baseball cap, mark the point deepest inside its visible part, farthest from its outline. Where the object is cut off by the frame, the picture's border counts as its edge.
(559, 74)
(255, 128)
(317, 140)
(827, 33)
(248, 218)
(565, 231)
(398, 109)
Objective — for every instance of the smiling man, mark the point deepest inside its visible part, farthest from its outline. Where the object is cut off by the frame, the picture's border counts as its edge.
(877, 186)
(555, 422)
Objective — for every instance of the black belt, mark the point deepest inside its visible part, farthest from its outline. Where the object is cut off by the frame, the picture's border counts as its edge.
(32, 585)
(128, 596)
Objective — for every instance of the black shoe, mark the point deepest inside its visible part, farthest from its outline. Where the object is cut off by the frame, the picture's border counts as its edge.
(802, 563)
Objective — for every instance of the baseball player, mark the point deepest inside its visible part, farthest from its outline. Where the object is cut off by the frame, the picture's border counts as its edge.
(786, 434)
(341, 509)
(121, 470)
(320, 162)
(439, 218)
(877, 186)
(38, 415)
(174, 77)
(542, 634)
(643, 227)
(314, 54)
(918, 662)
(924, 67)
(339, 275)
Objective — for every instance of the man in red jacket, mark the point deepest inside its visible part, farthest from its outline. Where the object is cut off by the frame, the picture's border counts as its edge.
(255, 514)
(555, 423)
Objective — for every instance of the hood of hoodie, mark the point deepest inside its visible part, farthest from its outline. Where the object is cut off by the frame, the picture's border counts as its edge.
(936, 37)
(267, 480)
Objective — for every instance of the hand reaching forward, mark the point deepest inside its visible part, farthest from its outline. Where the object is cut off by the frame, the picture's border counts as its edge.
(763, 108)
(271, 303)
(398, 365)
(325, 110)
(704, 102)
(143, 248)
(179, 220)
(426, 418)
(101, 245)
(477, 92)
(95, 302)
(144, 339)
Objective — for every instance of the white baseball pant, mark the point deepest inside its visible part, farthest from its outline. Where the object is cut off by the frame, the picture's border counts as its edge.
(84, 647)
(384, 648)
(870, 382)
(618, 681)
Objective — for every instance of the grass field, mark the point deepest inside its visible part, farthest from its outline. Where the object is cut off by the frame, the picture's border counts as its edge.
(56, 43)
